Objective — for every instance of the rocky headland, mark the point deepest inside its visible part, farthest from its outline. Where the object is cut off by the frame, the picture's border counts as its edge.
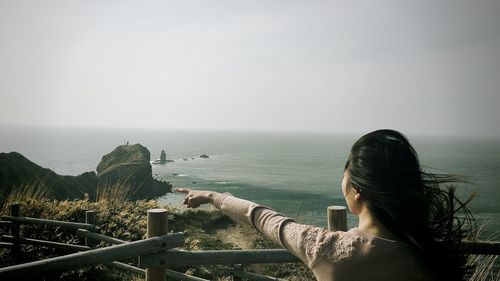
(126, 165)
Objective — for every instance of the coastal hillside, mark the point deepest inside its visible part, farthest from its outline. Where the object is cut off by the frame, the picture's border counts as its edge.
(126, 165)
(17, 171)
(204, 229)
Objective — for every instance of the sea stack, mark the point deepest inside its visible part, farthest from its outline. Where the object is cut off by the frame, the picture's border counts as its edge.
(163, 157)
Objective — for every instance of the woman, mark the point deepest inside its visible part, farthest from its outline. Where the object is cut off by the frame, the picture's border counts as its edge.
(408, 226)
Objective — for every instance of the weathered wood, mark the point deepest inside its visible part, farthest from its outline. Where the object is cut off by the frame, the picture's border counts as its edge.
(137, 270)
(224, 257)
(128, 267)
(100, 237)
(180, 276)
(37, 242)
(90, 219)
(157, 225)
(337, 218)
(96, 256)
(236, 267)
(5, 223)
(14, 212)
(66, 224)
(481, 247)
(254, 276)
(15, 231)
(170, 273)
(6, 245)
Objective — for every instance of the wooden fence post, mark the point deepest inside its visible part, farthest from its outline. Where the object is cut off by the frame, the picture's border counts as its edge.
(90, 219)
(337, 218)
(237, 267)
(14, 232)
(157, 226)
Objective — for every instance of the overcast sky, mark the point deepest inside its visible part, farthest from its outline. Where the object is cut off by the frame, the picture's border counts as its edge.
(423, 67)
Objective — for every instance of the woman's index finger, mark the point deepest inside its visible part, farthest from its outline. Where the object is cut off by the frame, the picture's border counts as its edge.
(183, 190)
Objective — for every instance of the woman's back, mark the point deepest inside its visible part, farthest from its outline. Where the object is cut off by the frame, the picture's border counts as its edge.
(353, 255)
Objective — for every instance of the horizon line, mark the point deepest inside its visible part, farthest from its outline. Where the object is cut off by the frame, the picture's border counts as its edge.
(250, 130)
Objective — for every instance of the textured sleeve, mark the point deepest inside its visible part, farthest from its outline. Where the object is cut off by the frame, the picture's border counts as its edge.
(304, 241)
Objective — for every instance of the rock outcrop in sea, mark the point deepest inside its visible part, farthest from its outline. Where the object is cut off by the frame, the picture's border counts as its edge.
(163, 157)
(130, 164)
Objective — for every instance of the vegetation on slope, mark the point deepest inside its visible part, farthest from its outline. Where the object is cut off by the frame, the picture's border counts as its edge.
(126, 220)
(205, 229)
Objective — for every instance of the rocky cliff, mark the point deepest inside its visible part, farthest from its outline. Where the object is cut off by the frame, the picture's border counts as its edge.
(127, 164)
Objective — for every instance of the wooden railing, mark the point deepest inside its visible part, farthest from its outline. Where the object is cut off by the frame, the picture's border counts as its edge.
(158, 251)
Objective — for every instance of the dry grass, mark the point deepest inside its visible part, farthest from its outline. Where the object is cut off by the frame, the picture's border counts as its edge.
(37, 191)
(28, 192)
(486, 268)
(115, 193)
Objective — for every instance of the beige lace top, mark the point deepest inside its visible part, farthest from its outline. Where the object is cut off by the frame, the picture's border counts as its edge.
(338, 255)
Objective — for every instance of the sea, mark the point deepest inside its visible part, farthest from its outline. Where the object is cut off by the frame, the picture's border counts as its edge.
(298, 174)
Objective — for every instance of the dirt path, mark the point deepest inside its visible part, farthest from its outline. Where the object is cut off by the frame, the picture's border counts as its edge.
(242, 236)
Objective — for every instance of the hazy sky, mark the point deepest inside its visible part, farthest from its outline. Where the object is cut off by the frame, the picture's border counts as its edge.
(423, 67)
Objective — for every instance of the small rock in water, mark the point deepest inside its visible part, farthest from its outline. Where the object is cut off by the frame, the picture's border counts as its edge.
(204, 156)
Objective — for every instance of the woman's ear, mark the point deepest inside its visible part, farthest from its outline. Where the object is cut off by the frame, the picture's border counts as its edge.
(357, 195)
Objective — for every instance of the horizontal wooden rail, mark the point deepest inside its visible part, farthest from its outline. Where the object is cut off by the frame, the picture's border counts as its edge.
(130, 268)
(57, 245)
(97, 256)
(481, 247)
(66, 224)
(183, 277)
(142, 272)
(6, 245)
(181, 258)
(127, 267)
(5, 223)
(100, 237)
(254, 276)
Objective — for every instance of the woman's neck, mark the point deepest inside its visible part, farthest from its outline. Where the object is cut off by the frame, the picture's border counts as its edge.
(370, 225)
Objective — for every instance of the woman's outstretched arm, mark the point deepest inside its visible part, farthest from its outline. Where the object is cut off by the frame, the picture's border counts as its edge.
(304, 241)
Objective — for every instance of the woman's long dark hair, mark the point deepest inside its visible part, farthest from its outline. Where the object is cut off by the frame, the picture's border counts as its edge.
(384, 168)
